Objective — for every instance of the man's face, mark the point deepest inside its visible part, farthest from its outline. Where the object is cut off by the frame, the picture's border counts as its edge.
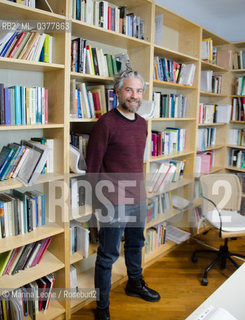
(130, 95)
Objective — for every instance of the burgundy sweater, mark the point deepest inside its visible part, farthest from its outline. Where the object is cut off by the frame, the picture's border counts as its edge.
(116, 150)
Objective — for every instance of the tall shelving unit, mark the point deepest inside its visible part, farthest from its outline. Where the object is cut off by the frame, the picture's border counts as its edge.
(181, 42)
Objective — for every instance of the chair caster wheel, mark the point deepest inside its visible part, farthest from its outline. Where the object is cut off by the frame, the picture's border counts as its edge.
(194, 258)
(204, 281)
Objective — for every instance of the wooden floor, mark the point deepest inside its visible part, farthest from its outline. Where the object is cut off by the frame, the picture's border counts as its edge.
(177, 280)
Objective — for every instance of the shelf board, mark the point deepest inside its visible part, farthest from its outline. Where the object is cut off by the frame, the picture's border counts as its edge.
(172, 119)
(213, 124)
(39, 233)
(211, 94)
(86, 279)
(48, 264)
(163, 249)
(54, 310)
(211, 148)
(197, 202)
(43, 178)
(165, 84)
(82, 213)
(237, 122)
(214, 67)
(91, 78)
(163, 217)
(83, 120)
(26, 65)
(174, 55)
(235, 169)
(18, 11)
(32, 127)
(173, 155)
(238, 70)
(235, 147)
(216, 169)
(93, 33)
(76, 257)
(171, 186)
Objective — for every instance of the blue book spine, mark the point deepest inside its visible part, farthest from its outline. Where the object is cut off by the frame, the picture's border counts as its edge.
(43, 208)
(78, 105)
(7, 106)
(8, 44)
(5, 164)
(113, 19)
(23, 104)
(17, 105)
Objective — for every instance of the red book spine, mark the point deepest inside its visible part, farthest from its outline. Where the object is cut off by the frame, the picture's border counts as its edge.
(109, 18)
(17, 45)
(97, 107)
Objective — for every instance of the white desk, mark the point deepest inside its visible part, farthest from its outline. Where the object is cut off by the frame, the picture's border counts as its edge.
(230, 296)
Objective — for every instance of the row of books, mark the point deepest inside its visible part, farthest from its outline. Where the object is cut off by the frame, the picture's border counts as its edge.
(162, 173)
(30, 45)
(168, 141)
(20, 105)
(157, 205)
(206, 137)
(237, 137)
(90, 101)
(204, 163)
(24, 161)
(214, 55)
(80, 141)
(108, 16)
(214, 113)
(21, 212)
(93, 60)
(238, 58)
(239, 86)
(171, 71)
(236, 158)
(155, 237)
(79, 237)
(207, 50)
(210, 82)
(29, 3)
(28, 300)
(28, 256)
(238, 109)
(171, 105)
(196, 220)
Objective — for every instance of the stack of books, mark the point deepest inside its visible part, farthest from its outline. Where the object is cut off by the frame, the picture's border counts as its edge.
(20, 105)
(27, 45)
(29, 300)
(21, 212)
(90, 102)
(108, 16)
(23, 161)
(28, 256)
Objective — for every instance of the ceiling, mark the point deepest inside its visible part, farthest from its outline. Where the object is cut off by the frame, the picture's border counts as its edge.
(226, 18)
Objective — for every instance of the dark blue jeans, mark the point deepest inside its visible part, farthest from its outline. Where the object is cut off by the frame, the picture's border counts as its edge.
(110, 236)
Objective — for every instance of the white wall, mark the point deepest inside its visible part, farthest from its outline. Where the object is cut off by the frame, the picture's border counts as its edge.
(223, 17)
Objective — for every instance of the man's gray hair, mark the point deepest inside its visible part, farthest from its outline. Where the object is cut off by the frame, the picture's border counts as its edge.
(121, 76)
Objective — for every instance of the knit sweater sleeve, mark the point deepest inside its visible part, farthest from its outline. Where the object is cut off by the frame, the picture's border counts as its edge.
(97, 146)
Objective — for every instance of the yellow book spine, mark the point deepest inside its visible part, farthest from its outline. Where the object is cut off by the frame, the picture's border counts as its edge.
(46, 48)
(92, 60)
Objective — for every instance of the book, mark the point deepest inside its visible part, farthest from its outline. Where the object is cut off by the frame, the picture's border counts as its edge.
(34, 162)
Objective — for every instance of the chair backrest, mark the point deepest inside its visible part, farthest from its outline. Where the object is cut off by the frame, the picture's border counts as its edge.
(223, 189)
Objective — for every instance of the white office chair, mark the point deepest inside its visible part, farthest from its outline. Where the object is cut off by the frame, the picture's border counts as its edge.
(221, 204)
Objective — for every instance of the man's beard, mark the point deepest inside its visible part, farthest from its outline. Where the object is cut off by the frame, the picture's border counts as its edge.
(133, 109)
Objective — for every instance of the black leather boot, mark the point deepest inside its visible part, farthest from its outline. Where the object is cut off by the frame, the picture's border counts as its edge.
(138, 288)
(102, 314)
